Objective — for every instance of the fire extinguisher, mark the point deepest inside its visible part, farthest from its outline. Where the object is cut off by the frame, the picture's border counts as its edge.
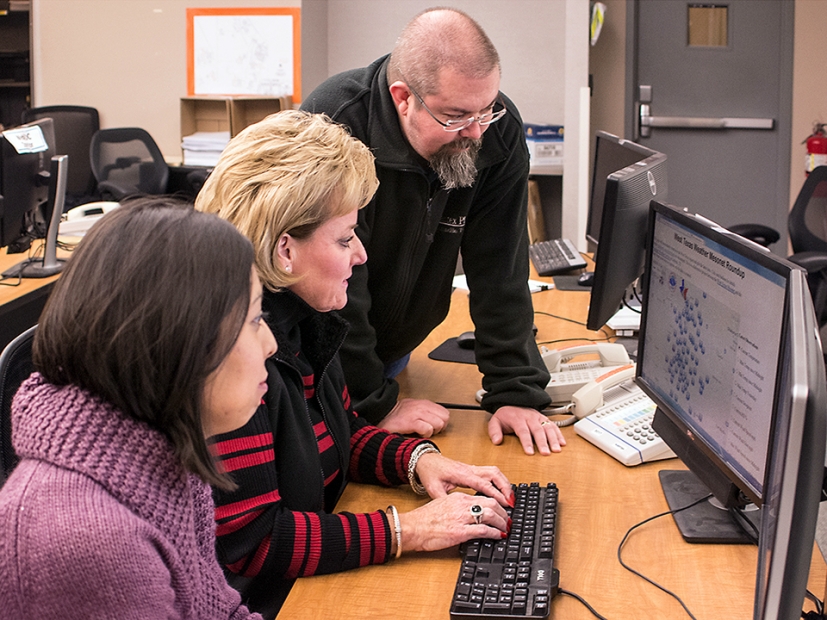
(816, 148)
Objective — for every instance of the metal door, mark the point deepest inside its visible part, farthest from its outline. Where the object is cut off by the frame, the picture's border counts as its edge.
(710, 85)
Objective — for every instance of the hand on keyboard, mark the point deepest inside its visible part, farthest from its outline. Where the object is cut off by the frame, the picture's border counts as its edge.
(448, 521)
(441, 475)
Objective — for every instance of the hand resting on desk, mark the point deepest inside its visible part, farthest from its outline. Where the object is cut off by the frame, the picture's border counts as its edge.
(415, 416)
(530, 426)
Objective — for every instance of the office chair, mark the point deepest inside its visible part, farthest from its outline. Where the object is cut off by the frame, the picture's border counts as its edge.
(74, 127)
(807, 226)
(127, 161)
(15, 367)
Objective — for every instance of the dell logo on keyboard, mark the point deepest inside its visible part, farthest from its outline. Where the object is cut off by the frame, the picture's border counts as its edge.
(541, 574)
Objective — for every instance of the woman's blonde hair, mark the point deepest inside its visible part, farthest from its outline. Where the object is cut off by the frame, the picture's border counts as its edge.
(289, 173)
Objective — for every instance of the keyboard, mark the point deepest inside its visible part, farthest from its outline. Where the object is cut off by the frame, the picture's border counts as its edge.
(555, 256)
(515, 577)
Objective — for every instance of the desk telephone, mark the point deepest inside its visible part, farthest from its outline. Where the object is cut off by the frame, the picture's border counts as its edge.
(568, 377)
(613, 413)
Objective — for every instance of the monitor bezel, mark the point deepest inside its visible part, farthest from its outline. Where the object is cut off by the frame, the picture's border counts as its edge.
(762, 257)
(595, 213)
(614, 272)
(22, 196)
(796, 467)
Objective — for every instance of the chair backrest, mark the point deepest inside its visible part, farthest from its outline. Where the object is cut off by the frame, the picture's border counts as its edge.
(74, 127)
(15, 367)
(807, 221)
(126, 161)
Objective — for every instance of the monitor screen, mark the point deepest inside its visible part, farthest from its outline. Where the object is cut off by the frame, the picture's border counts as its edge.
(25, 159)
(710, 354)
(795, 477)
(620, 253)
(610, 155)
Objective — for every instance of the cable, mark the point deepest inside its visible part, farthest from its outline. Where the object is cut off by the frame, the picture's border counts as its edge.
(819, 612)
(15, 281)
(562, 318)
(582, 600)
(457, 406)
(641, 575)
(744, 524)
(630, 308)
(604, 339)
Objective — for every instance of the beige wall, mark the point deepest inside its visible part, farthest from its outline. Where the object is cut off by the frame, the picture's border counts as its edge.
(127, 58)
(809, 82)
(528, 34)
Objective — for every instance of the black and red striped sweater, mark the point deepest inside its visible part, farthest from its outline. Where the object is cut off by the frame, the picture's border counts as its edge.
(291, 463)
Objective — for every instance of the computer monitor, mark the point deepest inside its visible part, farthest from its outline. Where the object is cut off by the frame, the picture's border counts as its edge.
(620, 251)
(794, 482)
(711, 353)
(611, 154)
(32, 190)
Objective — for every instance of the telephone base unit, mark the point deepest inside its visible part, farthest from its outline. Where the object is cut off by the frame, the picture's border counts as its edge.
(623, 429)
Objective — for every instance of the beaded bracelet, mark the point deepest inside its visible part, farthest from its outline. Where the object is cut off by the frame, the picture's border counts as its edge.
(397, 528)
(421, 449)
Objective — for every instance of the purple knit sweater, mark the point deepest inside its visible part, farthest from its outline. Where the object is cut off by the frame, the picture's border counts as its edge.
(100, 520)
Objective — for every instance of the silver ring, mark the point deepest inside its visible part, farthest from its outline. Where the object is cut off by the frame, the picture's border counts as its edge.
(544, 422)
(476, 512)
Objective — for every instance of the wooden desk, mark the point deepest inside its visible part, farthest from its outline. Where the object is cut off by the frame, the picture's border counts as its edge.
(21, 305)
(600, 499)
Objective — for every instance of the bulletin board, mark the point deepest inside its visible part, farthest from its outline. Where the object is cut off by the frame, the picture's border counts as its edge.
(252, 51)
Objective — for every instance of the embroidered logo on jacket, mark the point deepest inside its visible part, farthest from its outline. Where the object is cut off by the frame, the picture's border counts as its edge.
(452, 225)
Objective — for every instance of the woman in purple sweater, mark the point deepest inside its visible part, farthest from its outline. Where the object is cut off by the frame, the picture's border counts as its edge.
(152, 341)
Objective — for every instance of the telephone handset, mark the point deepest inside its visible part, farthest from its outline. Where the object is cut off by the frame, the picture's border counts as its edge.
(590, 396)
(567, 377)
(616, 416)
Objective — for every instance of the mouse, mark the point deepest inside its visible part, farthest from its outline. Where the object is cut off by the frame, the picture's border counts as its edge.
(586, 279)
(466, 340)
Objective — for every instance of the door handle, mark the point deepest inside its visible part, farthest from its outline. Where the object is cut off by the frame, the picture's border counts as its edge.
(647, 121)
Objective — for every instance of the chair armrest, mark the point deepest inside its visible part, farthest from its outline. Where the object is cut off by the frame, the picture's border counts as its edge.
(813, 262)
(760, 234)
(112, 191)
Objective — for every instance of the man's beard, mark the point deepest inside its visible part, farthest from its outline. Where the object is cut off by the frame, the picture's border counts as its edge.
(455, 163)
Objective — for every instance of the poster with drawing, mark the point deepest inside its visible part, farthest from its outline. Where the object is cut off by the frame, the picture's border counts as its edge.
(244, 52)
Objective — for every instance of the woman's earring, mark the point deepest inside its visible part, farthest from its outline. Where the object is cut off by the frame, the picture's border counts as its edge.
(288, 268)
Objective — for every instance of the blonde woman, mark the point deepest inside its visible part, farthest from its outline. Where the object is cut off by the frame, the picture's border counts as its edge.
(293, 184)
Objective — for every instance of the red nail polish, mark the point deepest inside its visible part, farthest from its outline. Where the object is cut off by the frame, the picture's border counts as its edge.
(503, 535)
(512, 500)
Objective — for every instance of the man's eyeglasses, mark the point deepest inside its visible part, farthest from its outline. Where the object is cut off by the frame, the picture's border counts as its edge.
(459, 125)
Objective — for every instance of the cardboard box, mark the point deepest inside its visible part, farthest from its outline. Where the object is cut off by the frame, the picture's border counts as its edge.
(545, 144)
(215, 114)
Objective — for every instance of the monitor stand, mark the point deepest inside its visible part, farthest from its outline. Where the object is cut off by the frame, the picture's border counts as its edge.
(709, 521)
(50, 264)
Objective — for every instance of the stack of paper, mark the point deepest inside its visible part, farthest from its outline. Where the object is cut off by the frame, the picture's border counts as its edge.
(203, 148)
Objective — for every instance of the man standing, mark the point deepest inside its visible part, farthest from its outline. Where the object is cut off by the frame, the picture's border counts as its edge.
(453, 170)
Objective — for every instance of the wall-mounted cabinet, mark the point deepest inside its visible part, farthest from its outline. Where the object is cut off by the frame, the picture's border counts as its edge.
(15, 63)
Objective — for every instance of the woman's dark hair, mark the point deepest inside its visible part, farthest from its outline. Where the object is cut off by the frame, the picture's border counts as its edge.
(151, 302)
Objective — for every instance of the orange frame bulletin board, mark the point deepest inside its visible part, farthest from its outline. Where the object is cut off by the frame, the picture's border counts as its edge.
(252, 51)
